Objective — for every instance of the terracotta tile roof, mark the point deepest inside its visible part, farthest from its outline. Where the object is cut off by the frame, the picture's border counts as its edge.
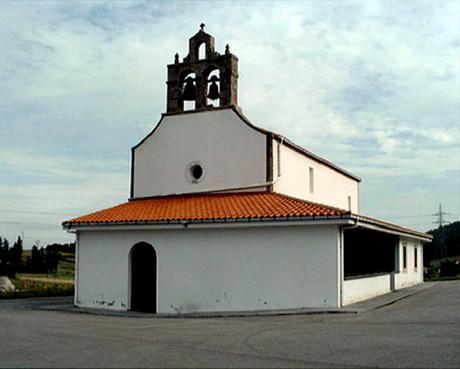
(208, 207)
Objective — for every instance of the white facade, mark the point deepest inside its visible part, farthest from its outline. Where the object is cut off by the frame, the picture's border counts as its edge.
(215, 269)
(359, 289)
(243, 258)
(234, 156)
(411, 274)
(229, 151)
(233, 267)
(299, 176)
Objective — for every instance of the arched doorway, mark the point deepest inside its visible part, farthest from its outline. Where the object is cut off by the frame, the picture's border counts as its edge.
(143, 278)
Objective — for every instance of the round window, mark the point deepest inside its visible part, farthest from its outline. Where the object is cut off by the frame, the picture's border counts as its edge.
(194, 172)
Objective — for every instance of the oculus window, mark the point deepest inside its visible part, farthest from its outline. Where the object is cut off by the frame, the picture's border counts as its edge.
(194, 172)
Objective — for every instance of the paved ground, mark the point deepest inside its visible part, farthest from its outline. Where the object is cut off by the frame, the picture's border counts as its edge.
(422, 330)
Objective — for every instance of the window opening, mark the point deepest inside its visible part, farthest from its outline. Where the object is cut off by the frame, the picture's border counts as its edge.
(404, 257)
(415, 258)
(360, 260)
(311, 179)
(202, 51)
(196, 171)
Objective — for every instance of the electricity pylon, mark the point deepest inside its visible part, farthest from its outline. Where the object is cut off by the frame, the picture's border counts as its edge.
(440, 221)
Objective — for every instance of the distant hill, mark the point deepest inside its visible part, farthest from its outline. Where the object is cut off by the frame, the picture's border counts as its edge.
(446, 242)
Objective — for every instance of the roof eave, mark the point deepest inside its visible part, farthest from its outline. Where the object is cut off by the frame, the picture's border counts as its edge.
(376, 224)
(289, 220)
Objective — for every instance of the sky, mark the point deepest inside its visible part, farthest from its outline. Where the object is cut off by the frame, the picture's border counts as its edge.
(373, 86)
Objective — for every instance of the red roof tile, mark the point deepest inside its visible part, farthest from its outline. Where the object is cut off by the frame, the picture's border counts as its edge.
(206, 207)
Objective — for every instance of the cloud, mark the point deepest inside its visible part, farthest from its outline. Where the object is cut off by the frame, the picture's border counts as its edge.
(373, 86)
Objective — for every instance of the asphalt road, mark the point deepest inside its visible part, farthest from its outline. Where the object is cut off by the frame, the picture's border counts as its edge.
(421, 331)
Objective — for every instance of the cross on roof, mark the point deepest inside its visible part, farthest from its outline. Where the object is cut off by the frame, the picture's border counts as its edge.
(202, 26)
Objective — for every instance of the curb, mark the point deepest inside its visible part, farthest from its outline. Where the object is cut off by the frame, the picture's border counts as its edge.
(391, 297)
(204, 315)
(360, 307)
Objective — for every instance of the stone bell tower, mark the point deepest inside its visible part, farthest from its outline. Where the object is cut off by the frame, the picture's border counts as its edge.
(204, 76)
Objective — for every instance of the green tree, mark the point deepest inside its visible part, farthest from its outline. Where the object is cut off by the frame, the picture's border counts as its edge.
(37, 260)
(52, 257)
(446, 243)
(5, 267)
(16, 254)
(2, 254)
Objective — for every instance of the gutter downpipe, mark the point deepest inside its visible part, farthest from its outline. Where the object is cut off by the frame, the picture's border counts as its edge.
(342, 244)
(77, 271)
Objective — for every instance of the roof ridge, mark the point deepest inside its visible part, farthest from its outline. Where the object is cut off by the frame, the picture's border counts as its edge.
(312, 202)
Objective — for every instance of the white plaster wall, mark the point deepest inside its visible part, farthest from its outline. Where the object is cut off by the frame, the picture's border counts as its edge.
(330, 187)
(220, 269)
(411, 275)
(360, 289)
(231, 153)
(101, 281)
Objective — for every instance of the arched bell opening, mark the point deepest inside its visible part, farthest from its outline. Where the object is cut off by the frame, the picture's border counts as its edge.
(143, 278)
(189, 91)
(201, 51)
(213, 87)
(214, 83)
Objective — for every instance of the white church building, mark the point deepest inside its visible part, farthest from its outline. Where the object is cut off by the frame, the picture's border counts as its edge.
(226, 216)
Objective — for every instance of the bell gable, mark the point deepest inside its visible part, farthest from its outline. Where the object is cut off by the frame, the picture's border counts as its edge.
(204, 78)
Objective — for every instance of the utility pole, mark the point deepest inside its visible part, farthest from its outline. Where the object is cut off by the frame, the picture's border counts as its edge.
(440, 221)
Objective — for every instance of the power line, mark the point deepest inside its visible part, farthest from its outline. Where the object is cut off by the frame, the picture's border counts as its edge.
(412, 216)
(36, 212)
(417, 224)
(29, 223)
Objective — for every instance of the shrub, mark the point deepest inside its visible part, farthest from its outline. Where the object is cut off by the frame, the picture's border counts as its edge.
(449, 268)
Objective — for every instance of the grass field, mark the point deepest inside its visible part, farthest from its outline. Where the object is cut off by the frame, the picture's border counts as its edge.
(26, 288)
(66, 266)
(65, 270)
(444, 278)
(50, 284)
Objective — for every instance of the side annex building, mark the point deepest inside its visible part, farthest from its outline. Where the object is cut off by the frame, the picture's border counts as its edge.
(226, 216)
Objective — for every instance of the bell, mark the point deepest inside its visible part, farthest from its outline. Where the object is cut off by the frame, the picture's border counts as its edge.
(189, 92)
(214, 89)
